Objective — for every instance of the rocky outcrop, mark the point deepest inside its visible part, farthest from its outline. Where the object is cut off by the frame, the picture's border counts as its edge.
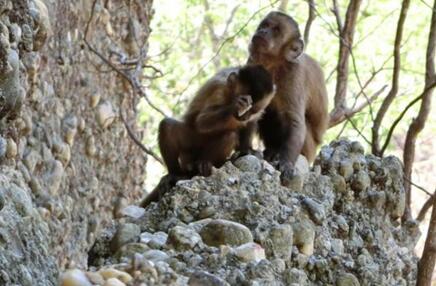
(66, 162)
(337, 225)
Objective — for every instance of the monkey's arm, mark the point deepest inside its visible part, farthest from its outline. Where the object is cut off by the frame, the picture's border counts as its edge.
(217, 118)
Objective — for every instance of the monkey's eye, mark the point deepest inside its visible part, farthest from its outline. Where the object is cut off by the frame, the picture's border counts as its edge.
(276, 29)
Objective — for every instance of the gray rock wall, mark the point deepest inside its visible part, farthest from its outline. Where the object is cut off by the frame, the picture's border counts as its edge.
(66, 161)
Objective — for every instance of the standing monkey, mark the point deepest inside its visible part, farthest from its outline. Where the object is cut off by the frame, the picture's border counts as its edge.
(297, 117)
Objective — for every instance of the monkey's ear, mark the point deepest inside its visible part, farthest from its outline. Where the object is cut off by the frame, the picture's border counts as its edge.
(294, 50)
(232, 79)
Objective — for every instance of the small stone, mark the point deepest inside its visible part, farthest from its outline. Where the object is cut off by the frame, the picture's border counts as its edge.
(220, 231)
(74, 277)
(347, 279)
(105, 114)
(121, 276)
(156, 255)
(129, 249)
(250, 252)
(304, 236)
(356, 147)
(95, 278)
(361, 181)
(203, 278)
(94, 99)
(155, 240)
(114, 282)
(183, 238)
(11, 149)
(337, 246)
(296, 277)
(339, 183)
(346, 169)
(249, 163)
(302, 166)
(132, 211)
(316, 210)
(281, 240)
(125, 233)
(90, 146)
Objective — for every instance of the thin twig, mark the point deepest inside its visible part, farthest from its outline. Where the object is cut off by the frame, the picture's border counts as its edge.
(395, 80)
(133, 83)
(402, 114)
(221, 46)
(136, 140)
(310, 18)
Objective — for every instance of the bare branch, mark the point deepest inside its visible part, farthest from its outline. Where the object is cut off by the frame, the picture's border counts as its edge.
(427, 262)
(418, 123)
(395, 80)
(427, 205)
(345, 46)
(346, 113)
(136, 140)
(220, 47)
(400, 117)
(133, 82)
(337, 14)
(310, 18)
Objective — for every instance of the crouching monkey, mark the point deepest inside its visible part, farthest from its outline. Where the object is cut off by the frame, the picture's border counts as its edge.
(297, 117)
(208, 132)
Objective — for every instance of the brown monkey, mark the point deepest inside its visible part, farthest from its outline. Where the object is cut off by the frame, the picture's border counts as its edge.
(208, 133)
(297, 116)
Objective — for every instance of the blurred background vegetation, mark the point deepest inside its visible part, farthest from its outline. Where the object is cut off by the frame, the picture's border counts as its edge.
(192, 39)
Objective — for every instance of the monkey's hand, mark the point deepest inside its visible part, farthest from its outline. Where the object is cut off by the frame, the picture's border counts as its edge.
(243, 104)
(288, 172)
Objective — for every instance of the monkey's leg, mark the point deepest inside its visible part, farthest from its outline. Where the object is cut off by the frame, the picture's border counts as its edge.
(171, 133)
(309, 146)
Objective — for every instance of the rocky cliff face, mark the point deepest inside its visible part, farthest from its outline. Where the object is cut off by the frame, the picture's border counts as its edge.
(66, 161)
(338, 224)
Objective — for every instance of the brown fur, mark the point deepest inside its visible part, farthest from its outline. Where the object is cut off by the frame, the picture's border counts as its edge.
(208, 133)
(298, 113)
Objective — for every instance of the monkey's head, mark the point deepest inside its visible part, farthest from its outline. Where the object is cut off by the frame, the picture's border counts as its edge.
(255, 81)
(277, 39)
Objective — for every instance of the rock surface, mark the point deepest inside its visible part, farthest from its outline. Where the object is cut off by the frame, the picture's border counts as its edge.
(334, 231)
(63, 162)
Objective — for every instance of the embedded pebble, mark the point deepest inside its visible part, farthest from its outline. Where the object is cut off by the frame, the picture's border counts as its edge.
(250, 252)
(105, 114)
(183, 238)
(74, 277)
(218, 232)
(126, 233)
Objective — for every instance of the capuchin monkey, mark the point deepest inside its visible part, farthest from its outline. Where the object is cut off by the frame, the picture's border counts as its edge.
(297, 117)
(209, 131)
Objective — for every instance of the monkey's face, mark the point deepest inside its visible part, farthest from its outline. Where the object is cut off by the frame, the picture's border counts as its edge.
(277, 38)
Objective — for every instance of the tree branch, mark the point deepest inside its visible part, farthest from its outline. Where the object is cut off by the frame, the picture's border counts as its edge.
(310, 18)
(345, 46)
(346, 113)
(427, 263)
(395, 80)
(427, 205)
(418, 123)
(400, 117)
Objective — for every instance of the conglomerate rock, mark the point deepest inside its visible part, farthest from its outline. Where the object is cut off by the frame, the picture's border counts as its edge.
(341, 228)
(65, 157)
